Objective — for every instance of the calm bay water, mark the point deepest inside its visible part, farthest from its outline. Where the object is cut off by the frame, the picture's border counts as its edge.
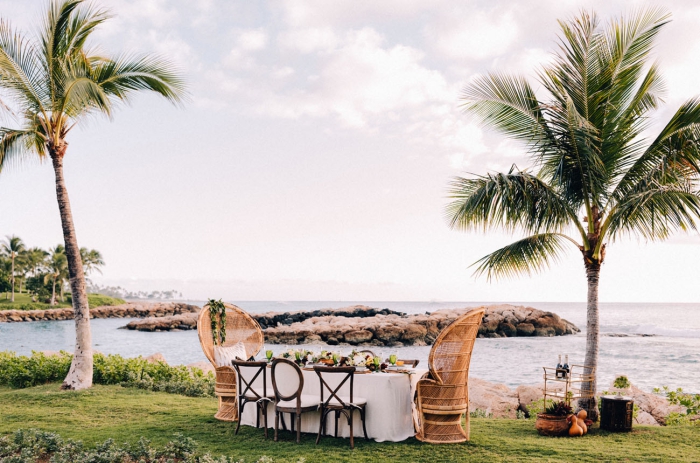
(661, 346)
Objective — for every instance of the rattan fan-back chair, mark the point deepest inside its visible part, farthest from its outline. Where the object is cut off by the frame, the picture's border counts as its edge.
(443, 397)
(240, 327)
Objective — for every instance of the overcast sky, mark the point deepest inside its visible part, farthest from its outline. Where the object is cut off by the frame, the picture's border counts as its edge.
(313, 159)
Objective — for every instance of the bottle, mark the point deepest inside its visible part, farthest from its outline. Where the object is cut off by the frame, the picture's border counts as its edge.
(558, 370)
(566, 366)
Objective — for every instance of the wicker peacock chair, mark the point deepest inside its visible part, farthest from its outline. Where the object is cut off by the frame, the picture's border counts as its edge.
(239, 327)
(443, 397)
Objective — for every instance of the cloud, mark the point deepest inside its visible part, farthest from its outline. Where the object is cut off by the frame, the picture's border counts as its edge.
(309, 40)
(251, 39)
(479, 35)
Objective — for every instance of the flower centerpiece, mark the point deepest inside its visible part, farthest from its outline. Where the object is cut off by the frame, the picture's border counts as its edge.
(298, 356)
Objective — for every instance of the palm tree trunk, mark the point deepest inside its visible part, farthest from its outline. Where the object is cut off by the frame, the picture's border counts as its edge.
(53, 291)
(13, 278)
(80, 373)
(592, 332)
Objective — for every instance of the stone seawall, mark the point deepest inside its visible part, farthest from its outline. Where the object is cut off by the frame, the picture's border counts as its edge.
(128, 310)
(361, 325)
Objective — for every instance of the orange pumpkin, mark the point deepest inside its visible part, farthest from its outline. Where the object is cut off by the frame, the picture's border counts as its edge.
(575, 429)
(582, 415)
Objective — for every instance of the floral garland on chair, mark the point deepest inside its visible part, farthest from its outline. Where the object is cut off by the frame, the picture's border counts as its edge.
(217, 314)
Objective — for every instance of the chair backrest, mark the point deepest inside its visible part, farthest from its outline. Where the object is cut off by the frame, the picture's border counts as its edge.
(450, 355)
(287, 380)
(246, 379)
(239, 327)
(367, 351)
(334, 389)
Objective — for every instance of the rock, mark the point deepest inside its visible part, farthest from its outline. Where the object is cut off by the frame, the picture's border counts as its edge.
(528, 394)
(496, 399)
(206, 367)
(358, 337)
(155, 358)
(645, 418)
(526, 329)
(658, 407)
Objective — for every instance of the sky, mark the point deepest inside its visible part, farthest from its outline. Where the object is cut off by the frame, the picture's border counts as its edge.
(313, 157)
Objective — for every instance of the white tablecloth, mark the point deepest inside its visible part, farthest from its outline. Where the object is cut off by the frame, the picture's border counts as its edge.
(388, 412)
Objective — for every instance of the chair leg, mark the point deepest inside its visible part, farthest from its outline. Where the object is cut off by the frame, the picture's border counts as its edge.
(264, 410)
(277, 423)
(320, 425)
(299, 428)
(352, 440)
(337, 415)
(362, 417)
(240, 413)
(292, 419)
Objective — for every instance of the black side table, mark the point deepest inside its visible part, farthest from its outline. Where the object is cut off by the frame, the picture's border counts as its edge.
(616, 413)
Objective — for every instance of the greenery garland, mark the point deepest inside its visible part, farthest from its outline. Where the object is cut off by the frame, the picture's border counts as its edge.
(217, 313)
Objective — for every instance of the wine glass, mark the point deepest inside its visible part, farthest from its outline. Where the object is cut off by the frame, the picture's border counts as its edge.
(336, 359)
(392, 359)
(268, 354)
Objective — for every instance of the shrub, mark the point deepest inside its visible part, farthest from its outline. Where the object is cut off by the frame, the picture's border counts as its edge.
(691, 402)
(22, 371)
(98, 300)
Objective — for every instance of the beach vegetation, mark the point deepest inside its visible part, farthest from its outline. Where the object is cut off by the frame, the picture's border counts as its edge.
(691, 403)
(51, 81)
(12, 247)
(126, 415)
(596, 175)
(19, 371)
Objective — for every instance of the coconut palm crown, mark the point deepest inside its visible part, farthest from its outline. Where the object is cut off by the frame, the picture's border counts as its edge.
(597, 175)
(50, 82)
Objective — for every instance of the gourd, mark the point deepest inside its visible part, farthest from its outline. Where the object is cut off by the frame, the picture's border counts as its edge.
(575, 429)
(582, 415)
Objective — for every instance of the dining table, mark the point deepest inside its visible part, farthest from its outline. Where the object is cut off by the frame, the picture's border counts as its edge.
(389, 409)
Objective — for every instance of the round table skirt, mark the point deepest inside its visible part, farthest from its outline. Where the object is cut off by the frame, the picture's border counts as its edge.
(388, 412)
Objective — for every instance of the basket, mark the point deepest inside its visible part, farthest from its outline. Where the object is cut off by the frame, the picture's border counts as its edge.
(551, 425)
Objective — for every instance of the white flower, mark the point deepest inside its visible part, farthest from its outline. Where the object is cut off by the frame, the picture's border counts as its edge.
(358, 360)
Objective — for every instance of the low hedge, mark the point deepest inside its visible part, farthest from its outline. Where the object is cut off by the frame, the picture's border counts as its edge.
(19, 371)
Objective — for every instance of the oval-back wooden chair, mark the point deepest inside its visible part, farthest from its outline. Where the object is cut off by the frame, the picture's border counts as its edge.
(443, 397)
(240, 327)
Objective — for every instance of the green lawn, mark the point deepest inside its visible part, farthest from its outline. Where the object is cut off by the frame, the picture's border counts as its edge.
(126, 414)
(24, 302)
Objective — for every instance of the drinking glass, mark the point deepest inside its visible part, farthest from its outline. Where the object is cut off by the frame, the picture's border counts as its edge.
(392, 359)
(336, 359)
(268, 354)
(377, 361)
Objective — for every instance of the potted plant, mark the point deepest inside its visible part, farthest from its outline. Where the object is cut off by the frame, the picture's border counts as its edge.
(553, 422)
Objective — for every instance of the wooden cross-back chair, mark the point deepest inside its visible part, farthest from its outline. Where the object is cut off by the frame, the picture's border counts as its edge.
(240, 327)
(443, 397)
(249, 392)
(340, 405)
(288, 384)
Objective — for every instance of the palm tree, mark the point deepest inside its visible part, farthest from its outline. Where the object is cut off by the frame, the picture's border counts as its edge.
(53, 81)
(12, 247)
(36, 257)
(591, 157)
(92, 260)
(58, 271)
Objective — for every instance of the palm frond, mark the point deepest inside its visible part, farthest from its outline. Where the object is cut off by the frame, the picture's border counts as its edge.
(125, 74)
(527, 256)
(656, 211)
(509, 104)
(20, 70)
(678, 143)
(18, 145)
(514, 200)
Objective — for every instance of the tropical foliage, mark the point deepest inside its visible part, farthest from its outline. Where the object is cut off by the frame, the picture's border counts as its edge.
(42, 274)
(50, 82)
(598, 174)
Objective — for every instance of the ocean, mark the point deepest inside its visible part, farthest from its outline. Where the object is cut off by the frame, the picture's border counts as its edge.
(652, 344)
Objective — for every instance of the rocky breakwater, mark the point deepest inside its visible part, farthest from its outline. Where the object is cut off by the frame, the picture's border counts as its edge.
(421, 329)
(361, 325)
(128, 310)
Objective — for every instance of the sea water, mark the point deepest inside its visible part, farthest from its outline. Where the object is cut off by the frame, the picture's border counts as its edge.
(653, 344)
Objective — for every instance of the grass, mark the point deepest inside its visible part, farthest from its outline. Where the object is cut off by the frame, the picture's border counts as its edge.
(24, 302)
(127, 414)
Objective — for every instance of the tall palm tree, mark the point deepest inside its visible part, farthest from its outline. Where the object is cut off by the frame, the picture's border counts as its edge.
(53, 81)
(597, 175)
(36, 257)
(12, 247)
